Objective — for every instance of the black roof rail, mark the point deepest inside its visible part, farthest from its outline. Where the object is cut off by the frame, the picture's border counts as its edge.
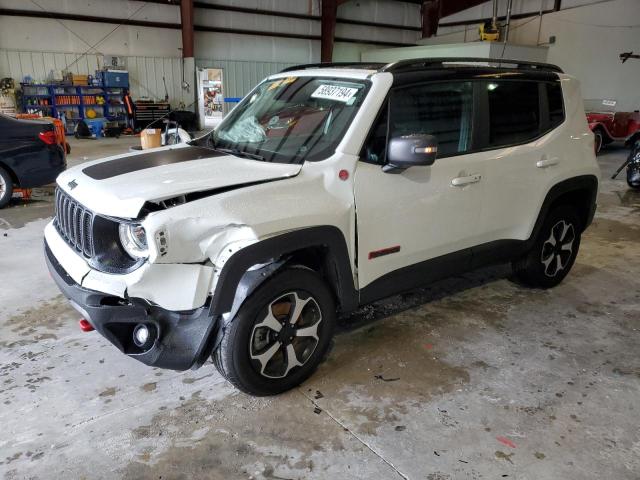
(438, 62)
(430, 62)
(370, 65)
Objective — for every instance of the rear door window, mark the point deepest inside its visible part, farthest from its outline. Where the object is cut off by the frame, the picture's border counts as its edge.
(514, 112)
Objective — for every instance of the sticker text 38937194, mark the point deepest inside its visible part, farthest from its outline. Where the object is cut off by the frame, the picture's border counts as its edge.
(334, 92)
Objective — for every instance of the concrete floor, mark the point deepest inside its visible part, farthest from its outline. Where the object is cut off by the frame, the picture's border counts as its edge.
(471, 378)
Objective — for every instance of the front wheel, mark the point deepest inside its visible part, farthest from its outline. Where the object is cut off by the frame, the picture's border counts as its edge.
(554, 251)
(279, 335)
(6, 188)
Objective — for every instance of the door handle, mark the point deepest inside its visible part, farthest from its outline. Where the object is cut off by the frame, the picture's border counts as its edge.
(462, 181)
(547, 162)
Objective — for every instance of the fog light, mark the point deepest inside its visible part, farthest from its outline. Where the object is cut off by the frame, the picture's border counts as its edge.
(144, 336)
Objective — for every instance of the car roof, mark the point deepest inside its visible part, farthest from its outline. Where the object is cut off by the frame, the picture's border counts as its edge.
(406, 72)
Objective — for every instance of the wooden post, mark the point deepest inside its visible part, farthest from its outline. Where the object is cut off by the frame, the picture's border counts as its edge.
(328, 17)
(186, 20)
(430, 17)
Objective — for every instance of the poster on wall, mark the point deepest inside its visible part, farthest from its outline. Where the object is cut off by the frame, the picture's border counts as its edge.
(212, 96)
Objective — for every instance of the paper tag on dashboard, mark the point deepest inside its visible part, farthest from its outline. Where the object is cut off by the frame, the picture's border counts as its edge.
(334, 92)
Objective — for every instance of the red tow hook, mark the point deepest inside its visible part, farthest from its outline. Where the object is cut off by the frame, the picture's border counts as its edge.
(85, 326)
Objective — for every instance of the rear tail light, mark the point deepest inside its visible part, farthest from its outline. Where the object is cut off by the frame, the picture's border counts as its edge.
(48, 137)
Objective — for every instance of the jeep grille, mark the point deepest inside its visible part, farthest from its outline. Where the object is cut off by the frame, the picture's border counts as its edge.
(74, 223)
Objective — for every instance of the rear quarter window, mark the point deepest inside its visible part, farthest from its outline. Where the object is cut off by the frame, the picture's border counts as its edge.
(556, 104)
(514, 112)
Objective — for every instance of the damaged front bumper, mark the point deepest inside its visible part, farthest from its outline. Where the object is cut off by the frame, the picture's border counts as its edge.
(182, 339)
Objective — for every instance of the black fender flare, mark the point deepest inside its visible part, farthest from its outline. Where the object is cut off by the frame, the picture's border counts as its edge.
(574, 184)
(337, 266)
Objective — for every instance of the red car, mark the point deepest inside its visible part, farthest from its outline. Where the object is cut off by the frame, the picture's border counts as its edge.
(611, 126)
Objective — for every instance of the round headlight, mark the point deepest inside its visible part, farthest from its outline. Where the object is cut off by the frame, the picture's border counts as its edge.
(134, 240)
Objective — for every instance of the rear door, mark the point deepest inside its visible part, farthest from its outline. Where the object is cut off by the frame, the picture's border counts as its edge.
(424, 212)
(522, 153)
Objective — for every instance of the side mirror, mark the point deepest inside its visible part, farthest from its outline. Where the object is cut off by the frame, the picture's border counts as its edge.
(411, 151)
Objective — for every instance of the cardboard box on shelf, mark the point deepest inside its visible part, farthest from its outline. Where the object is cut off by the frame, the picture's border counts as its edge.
(79, 79)
(150, 138)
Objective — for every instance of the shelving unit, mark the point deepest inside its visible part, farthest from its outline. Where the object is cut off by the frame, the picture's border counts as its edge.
(74, 101)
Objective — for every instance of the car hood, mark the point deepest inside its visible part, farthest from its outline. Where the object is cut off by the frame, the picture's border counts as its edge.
(119, 186)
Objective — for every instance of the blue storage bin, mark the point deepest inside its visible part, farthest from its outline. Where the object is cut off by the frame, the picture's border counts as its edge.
(114, 78)
(96, 125)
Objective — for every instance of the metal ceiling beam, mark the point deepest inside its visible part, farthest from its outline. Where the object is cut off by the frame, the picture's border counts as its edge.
(176, 26)
(297, 16)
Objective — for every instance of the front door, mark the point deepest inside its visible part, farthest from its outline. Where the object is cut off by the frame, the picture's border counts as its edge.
(424, 212)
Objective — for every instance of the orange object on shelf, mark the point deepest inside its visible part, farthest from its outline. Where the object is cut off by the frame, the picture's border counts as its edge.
(79, 79)
(28, 116)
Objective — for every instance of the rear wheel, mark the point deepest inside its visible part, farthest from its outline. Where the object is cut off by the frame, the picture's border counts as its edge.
(279, 335)
(554, 251)
(598, 141)
(6, 188)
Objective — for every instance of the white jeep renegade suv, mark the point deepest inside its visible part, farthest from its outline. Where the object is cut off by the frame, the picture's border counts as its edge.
(328, 187)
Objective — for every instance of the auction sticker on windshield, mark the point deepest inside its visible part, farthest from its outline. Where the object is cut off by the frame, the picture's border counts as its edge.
(334, 92)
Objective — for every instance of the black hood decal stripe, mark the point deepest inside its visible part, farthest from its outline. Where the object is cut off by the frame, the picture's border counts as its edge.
(120, 166)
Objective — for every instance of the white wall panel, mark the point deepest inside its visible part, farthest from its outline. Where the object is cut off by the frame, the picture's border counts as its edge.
(589, 37)
(255, 48)
(589, 40)
(145, 73)
(303, 7)
(102, 8)
(383, 11)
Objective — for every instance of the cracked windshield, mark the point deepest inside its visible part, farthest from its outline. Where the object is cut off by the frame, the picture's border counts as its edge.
(290, 120)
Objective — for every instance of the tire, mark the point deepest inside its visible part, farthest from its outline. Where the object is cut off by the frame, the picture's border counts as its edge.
(598, 141)
(253, 353)
(6, 188)
(540, 267)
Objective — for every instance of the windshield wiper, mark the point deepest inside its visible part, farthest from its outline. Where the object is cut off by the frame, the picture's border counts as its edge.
(241, 153)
